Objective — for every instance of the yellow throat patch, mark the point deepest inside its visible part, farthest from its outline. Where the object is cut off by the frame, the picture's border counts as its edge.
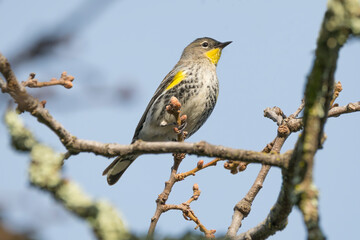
(179, 76)
(214, 55)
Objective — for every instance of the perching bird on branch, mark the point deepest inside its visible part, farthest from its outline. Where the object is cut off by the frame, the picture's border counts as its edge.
(193, 81)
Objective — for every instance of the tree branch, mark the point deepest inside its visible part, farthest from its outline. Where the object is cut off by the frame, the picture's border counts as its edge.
(189, 214)
(349, 108)
(28, 103)
(174, 109)
(45, 174)
(201, 148)
(243, 207)
(341, 19)
(74, 145)
(334, 33)
(161, 206)
(163, 197)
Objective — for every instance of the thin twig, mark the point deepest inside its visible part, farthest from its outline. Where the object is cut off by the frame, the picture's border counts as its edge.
(189, 214)
(243, 207)
(349, 108)
(163, 197)
(337, 90)
(275, 114)
(298, 111)
(200, 165)
(235, 166)
(64, 80)
(174, 109)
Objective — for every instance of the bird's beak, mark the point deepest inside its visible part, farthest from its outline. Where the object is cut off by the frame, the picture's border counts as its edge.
(224, 44)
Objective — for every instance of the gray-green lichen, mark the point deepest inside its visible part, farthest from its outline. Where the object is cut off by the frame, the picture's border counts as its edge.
(346, 14)
(108, 223)
(45, 173)
(45, 167)
(21, 138)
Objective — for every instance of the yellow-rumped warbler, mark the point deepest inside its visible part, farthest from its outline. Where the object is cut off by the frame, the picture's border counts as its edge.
(194, 83)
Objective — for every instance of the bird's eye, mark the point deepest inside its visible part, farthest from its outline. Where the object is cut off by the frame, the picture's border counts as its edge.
(205, 44)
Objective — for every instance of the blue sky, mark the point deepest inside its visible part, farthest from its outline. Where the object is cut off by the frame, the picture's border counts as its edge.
(119, 57)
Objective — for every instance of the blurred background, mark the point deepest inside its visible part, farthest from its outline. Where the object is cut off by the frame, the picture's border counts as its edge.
(118, 52)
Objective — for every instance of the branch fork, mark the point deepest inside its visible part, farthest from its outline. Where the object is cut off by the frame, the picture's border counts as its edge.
(189, 214)
(161, 206)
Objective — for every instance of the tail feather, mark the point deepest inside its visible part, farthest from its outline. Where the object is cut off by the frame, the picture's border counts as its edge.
(116, 169)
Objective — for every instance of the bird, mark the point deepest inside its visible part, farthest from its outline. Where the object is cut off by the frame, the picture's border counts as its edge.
(193, 81)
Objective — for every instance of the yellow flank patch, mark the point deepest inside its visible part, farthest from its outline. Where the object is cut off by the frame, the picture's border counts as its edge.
(214, 55)
(179, 76)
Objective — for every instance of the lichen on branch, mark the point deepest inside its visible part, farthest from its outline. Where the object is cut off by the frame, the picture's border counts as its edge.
(45, 172)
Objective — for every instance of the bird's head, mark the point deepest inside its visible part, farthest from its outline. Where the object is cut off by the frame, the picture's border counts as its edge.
(204, 48)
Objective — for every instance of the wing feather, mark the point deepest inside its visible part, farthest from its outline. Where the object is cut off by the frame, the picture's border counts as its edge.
(163, 85)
